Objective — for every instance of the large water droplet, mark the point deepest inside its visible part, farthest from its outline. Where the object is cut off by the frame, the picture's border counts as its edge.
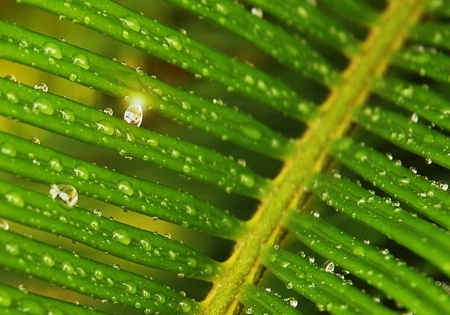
(145, 244)
(130, 287)
(174, 42)
(41, 87)
(43, 106)
(133, 115)
(105, 127)
(81, 61)
(56, 164)
(125, 187)
(122, 236)
(131, 22)
(185, 306)
(81, 172)
(53, 50)
(66, 193)
(67, 114)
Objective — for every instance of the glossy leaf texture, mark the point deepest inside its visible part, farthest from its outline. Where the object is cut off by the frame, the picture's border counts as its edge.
(224, 157)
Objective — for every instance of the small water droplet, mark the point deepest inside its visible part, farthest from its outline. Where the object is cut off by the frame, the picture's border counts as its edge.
(98, 212)
(116, 266)
(81, 172)
(185, 306)
(258, 12)
(131, 22)
(105, 127)
(8, 149)
(43, 105)
(66, 193)
(56, 164)
(4, 225)
(125, 187)
(81, 61)
(53, 50)
(133, 115)
(328, 266)
(67, 114)
(5, 299)
(31, 307)
(122, 236)
(12, 249)
(108, 111)
(48, 260)
(41, 87)
(292, 302)
(174, 42)
(247, 180)
(130, 287)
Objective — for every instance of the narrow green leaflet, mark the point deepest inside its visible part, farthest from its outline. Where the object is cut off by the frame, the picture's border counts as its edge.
(427, 62)
(175, 47)
(15, 301)
(47, 166)
(89, 125)
(307, 18)
(420, 100)
(356, 11)
(91, 228)
(379, 268)
(88, 277)
(420, 236)
(284, 47)
(427, 197)
(329, 292)
(431, 33)
(258, 302)
(406, 133)
(89, 69)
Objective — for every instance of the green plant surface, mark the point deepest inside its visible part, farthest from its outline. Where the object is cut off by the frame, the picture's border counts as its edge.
(224, 157)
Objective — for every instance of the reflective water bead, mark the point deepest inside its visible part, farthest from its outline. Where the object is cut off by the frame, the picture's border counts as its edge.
(56, 164)
(53, 50)
(41, 87)
(191, 262)
(258, 12)
(43, 106)
(98, 274)
(35, 140)
(328, 266)
(105, 127)
(131, 22)
(81, 61)
(125, 187)
(4, 225)
(133, 115)
(15, 198)
(185, 306)
(66, 193)
(108, 111)
(145, 244)
(12, 249)
(247, 180)
(130, 287)
(8, 149)
(48, 260)
(81, 172)
(67, 114)
(122, 236)
(174, 42)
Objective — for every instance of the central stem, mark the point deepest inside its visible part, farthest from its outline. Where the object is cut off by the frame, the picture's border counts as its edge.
(333, 121)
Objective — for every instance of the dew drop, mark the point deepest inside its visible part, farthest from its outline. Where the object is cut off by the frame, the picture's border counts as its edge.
(133, 115)
(122, 236)
(251, 132)
(56, 164)
(131, 22)
(258, 12)
(125, 187)
(41, 87)
(81, 172)
(94, 225)
(15, 198)
(174, 42)
(66, 193)
(53, 50)
(13, 249)
(48, 260)
(292, 301)
(328, 266)
(105, 127)
(185, 306)
(145, 244)
(4, 225)
(8, 149)
(130, 287)
(247, 180)
(31, 307)
(67, 114)
(43, 106)
(191, 262)
(81, 61)
(108, 111)
(73, 77)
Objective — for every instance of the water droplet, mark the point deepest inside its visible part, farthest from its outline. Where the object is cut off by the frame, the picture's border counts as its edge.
(4, 225)
(185, 306)
(145, 244)
(98, 212)
(122, 236)
(48, 260)
(11, 77)
(247, 180)
(81, 61)
(105, 127)
(289, 285)
(251, 132)
(66, 193)
(56, 164)
(328, 266)
(292, 301)
(73, 77)
(8, 149)
(125, 187)
(43, 106)
(15, 198)
(5, 299)
(67, 114)
(191, 262)
(108, 111)
(31, 307)
(414, 118)
(53, 50)
(174, 42)
(131, 22)
(116, 266)
(41, 87)
(94, 225)
(258, 12)
(139, 71)
(81, 172)
(130, 287)
(133, 115)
